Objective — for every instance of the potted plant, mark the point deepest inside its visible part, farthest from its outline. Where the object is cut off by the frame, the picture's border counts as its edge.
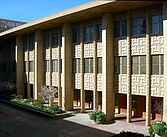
(158, 129)
(97, 116)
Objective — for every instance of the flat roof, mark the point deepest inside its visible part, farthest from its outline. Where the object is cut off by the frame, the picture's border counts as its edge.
(86, 11)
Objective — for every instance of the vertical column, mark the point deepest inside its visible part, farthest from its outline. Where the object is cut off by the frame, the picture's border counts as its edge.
(67, 90)
(129, 96)
(59, 68)
(148, 70)
(108, 101)
(20, 66)
(39, 62)
(165, 60)
(95, 93)
(28, 69)
(50, 58)
(82, 69)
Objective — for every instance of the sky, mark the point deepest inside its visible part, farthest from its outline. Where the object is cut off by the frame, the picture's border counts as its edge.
(29, 10)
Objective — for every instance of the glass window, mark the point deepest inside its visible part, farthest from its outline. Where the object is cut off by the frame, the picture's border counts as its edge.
(157, 65)
(88, 34)
(99, 65)
(156, 23)
(138, 25)
(88, 65)
(46, 65)
(76, 35)
(55, 40)
(46, 41)
(55, 65)
(31, 42)
(139, 65)
(120, 65)
(25, 43)
(76, 68)
(99, 32)
(120, 28)
(31, 65)
(25, 66)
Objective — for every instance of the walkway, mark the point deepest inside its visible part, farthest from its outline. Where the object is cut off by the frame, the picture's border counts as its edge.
(18, 123)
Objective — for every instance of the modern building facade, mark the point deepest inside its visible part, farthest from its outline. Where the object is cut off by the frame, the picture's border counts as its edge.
(108, 55)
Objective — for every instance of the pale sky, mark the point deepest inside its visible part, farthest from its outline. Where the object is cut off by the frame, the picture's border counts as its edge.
(29, 10)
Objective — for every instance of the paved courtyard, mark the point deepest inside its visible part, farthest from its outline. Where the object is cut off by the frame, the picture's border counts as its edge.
(18, 123)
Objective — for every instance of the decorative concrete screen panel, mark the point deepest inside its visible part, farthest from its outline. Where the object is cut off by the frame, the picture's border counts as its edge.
(31, 77)
(31, 56)
(47, 78)
(157, 85)
(99, 82)
(157, 45)
(120, 47)
(138, 46)
(139, 84)
(88, 50)
(99, 49)
(47, 54)
(55, 79)
(89, 81)
(77, 50)
(26, 56)
(55, 53)
(77, 80)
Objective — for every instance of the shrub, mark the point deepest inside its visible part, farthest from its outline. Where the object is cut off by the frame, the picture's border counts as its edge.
(158, 128)
(97, 116)
(128, 134)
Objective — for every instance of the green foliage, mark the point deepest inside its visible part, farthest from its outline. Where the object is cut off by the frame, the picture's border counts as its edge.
(158, 128)
(98, 116)
(37, 104)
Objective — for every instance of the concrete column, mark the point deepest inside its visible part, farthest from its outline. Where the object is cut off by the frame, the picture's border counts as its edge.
(59, 69)
(50, 58)
(148, 70)
(20, 66)
(108, 101)
(129, 95)
(82, 69)
(67, 89)
(28, 69)
(165, 60)
(95, 93)
(39, 62)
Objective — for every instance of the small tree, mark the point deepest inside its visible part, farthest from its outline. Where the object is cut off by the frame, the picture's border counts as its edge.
(159, 108)
(47, 93)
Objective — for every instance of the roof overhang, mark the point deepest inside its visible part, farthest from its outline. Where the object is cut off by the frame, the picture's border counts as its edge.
(86, 11)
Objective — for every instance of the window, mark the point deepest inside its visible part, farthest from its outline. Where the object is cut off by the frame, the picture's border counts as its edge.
(99, 65)
(88, 65)
(31, 66)
(156, 23)
(138, 26)
(139, 65)
(46, 65)
(76, 35)
(31, 42)
(25, 44)
(55, 40)
(99, 32)
(88, 34)
(55, 65)
(157, 65)
(120, 65)
(46, 41)
(120, 28)
(25, 66)
(76, 68)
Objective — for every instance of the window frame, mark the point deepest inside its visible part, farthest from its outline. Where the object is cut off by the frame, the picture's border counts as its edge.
(138, 65)
(88, 33)
(89, 65)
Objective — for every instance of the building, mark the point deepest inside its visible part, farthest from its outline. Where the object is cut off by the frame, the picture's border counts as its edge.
(108, 55)
(7, 51)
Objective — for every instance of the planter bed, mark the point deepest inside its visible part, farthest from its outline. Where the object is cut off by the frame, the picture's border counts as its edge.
(29, 109)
